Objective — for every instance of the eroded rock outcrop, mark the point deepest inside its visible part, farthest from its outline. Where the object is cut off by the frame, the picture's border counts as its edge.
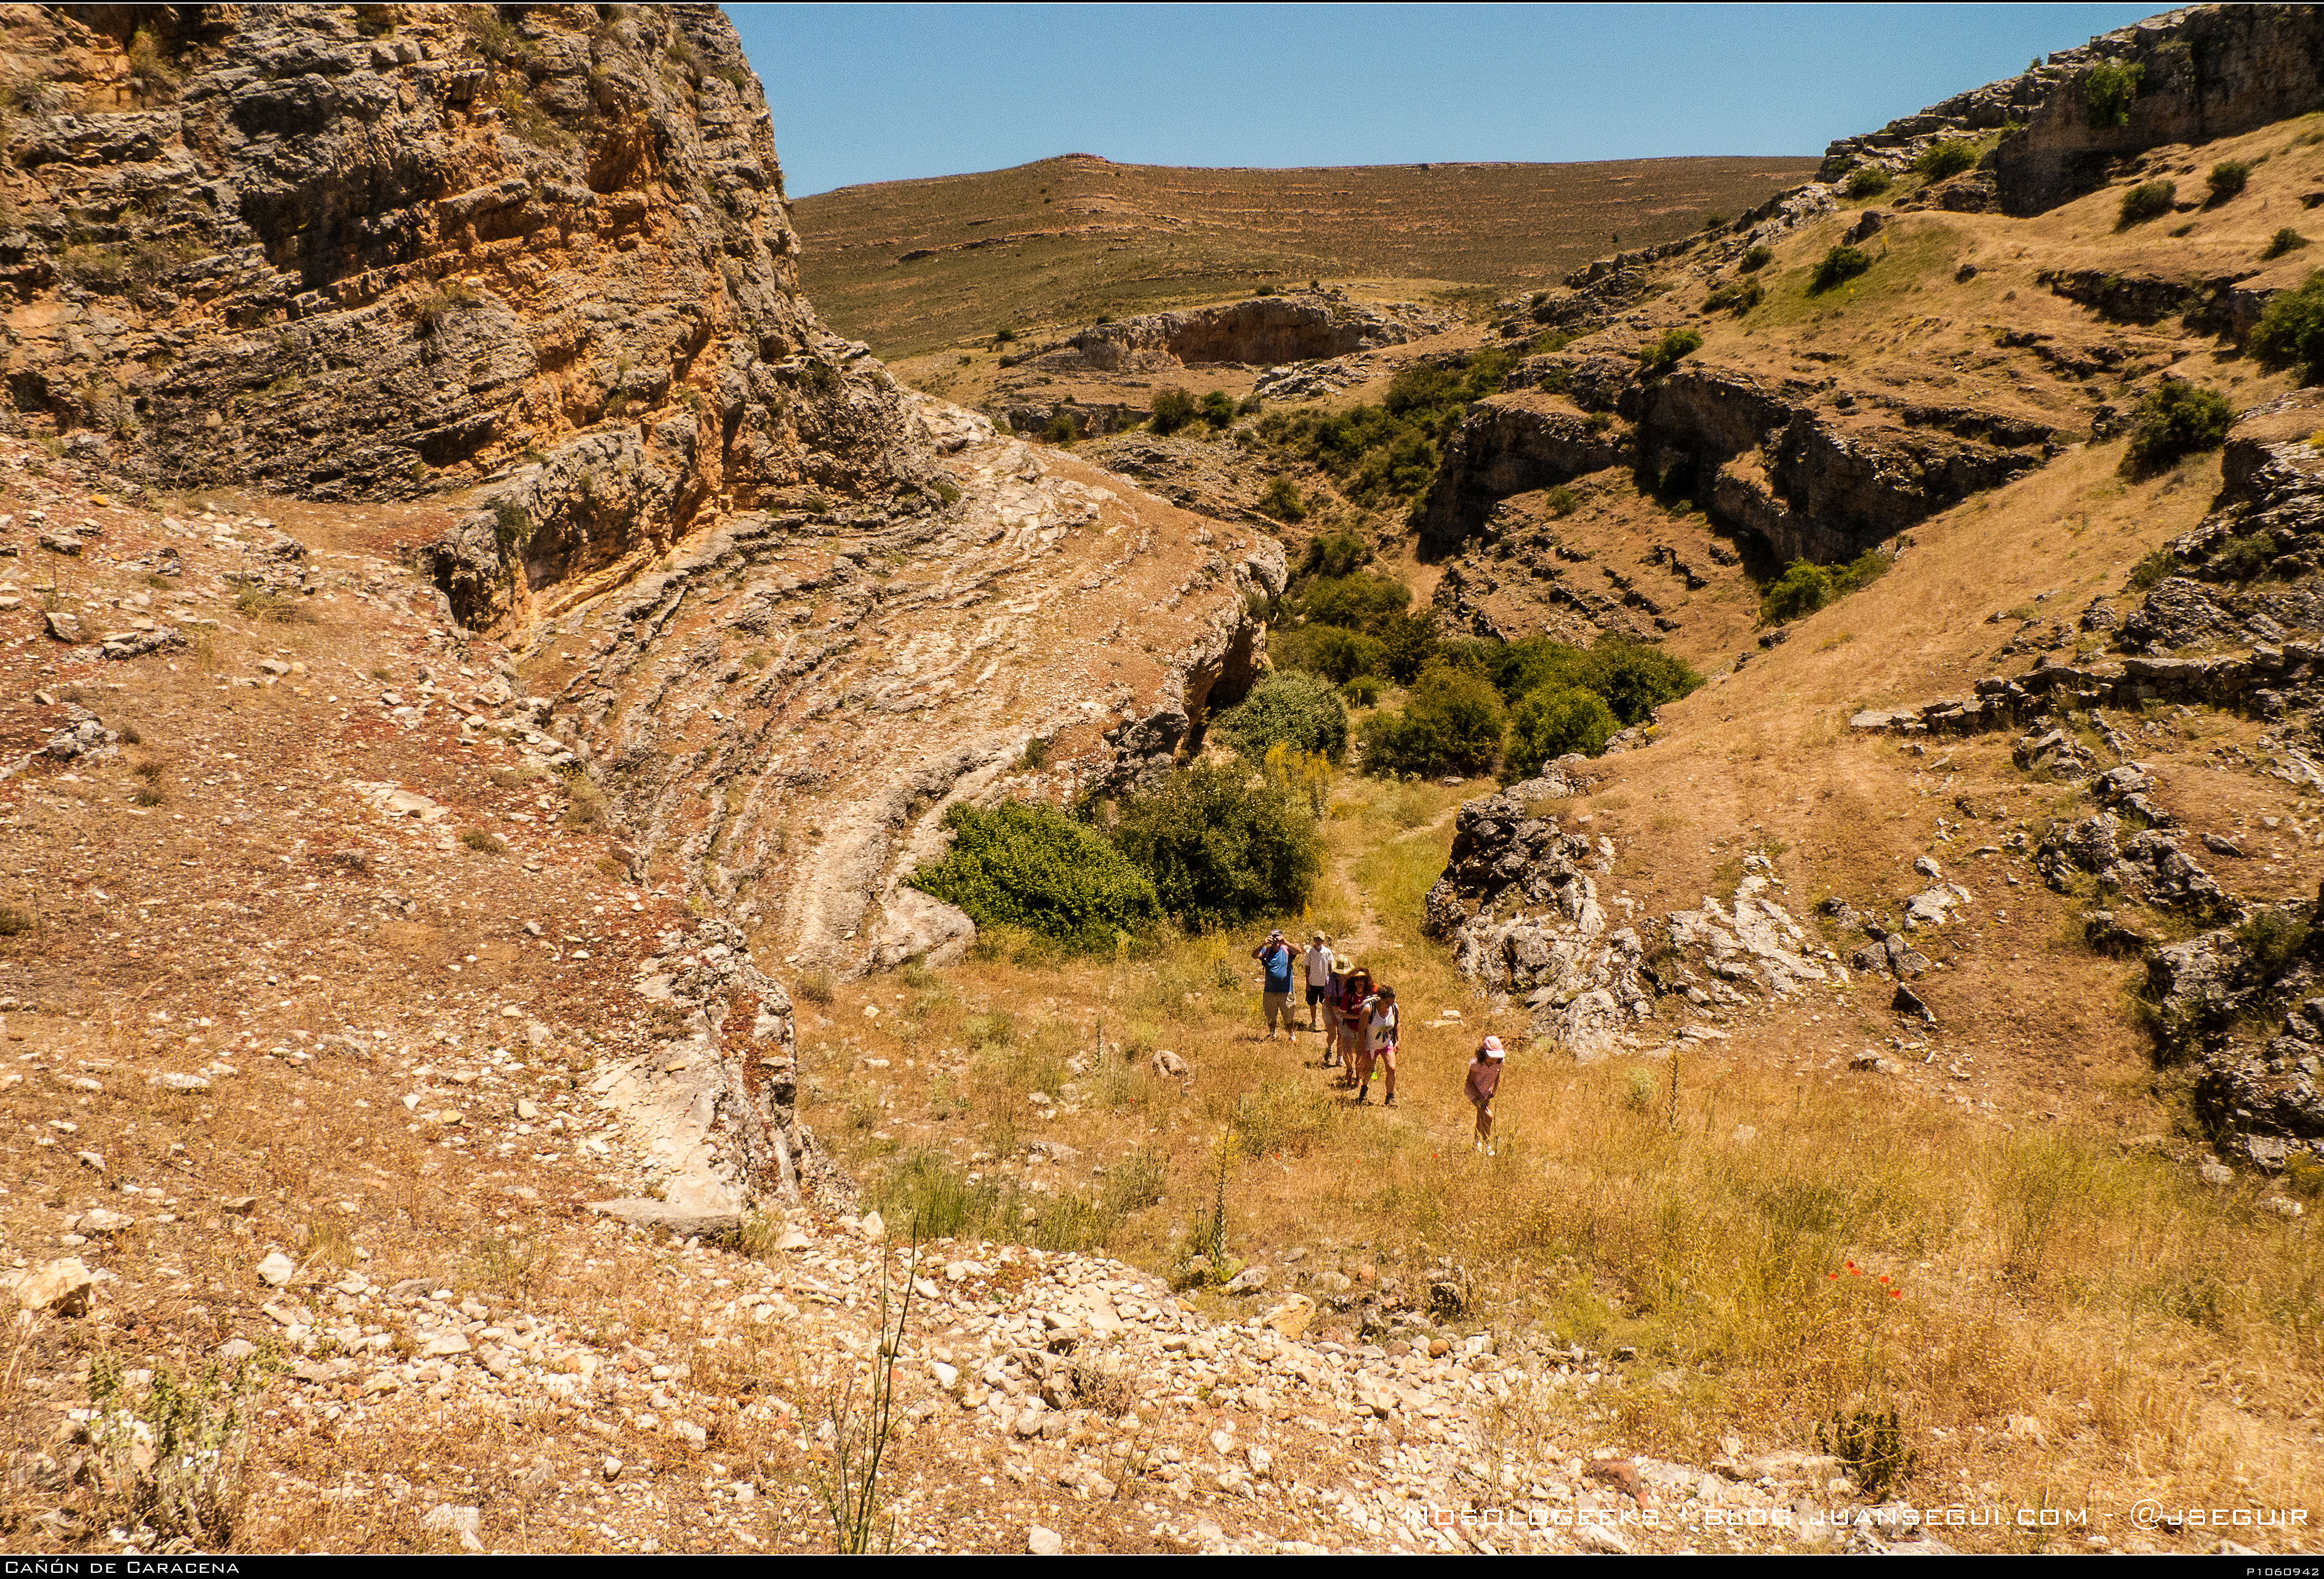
(1264, 331)
(2202, 72)
(353, 253)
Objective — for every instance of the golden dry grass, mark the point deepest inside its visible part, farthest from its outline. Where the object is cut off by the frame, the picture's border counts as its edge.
(2161, 1337)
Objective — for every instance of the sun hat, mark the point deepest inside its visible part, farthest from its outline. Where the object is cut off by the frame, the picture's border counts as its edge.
(1318, 937)
(1493, 1048)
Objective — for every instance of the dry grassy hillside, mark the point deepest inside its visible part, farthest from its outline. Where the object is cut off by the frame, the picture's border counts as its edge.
(915, 266)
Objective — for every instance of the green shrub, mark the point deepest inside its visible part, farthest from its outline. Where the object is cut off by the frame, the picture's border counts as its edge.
(1389, 452)
(1171, 409)
(2274, 941)
(1220, 848)
(2145, 201)
(1947, 156)
(1806, 586)
(1553, 722)
(1839, 265)
(1353, 602)
(2153, 569)
(1562, 502)
(2176, 418)
(1031, 866)
(1330, 555)
(1633, 677)
(2244, 558)
(1665, 353)
(1064, 428)
(1337, 655)
(2290, 329)
(2108, 90)
(1869, 181)
(1299, 710)
(1364, 691)
(2228, 179)
(1756, 259)
(1218, 408)
(2286, 240)
(1738, 296)
(1282, 501)
(1452, 721)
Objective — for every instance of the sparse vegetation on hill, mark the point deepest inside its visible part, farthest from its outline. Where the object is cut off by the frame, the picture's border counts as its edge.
(1116, 239)
(1386, 455)
(2145, 201)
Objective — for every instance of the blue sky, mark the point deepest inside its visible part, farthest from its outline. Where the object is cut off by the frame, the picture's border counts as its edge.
(873, 93)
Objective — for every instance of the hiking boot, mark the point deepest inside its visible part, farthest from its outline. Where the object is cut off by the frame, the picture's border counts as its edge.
(1389, 1101)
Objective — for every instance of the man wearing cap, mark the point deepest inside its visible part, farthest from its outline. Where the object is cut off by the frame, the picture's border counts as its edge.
(1484, 1080)
(1318, 962)
(1276, 956)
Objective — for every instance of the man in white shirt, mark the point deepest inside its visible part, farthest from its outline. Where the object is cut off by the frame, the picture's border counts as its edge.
(1318, 962)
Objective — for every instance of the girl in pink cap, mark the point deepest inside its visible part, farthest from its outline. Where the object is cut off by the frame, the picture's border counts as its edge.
(1484, 1080)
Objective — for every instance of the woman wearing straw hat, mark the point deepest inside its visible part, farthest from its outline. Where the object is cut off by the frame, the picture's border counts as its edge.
(1355, 992)
(1484, 1080)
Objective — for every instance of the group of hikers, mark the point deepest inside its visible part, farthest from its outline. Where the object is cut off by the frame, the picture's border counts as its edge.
(1360, 1022)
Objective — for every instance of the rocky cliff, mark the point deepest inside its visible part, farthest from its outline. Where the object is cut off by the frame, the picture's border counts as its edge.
(388, 250)
(2076, 119)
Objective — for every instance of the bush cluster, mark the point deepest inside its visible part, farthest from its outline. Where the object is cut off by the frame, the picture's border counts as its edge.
(2145, 201)
(2227, 179)
(1737, 296)
(2290, 330)
(1174, 409)
(1537, 699)
(1665, 353)
(2108, 90)
(1868, 181)
(1453, 720)
(1839, 265)
(1806, 586)
(1947, 156)
(1214, 847)
(2286, 240)
(1388, 454)
(1221, 847)
(2176, 418)
(1032, 866)
(1291, 708)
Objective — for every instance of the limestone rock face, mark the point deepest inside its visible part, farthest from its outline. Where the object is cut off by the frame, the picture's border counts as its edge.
(1264, 331)
(549, 255)
(2206, 71)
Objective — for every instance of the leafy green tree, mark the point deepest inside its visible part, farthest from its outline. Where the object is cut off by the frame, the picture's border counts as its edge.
(1170, 411)
(1554, 721)
(1453, 720)
(2176, 418)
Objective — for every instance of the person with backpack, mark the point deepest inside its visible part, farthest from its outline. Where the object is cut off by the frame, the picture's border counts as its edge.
(1275, 957)
(1484, 1082)
(1380, 1033)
